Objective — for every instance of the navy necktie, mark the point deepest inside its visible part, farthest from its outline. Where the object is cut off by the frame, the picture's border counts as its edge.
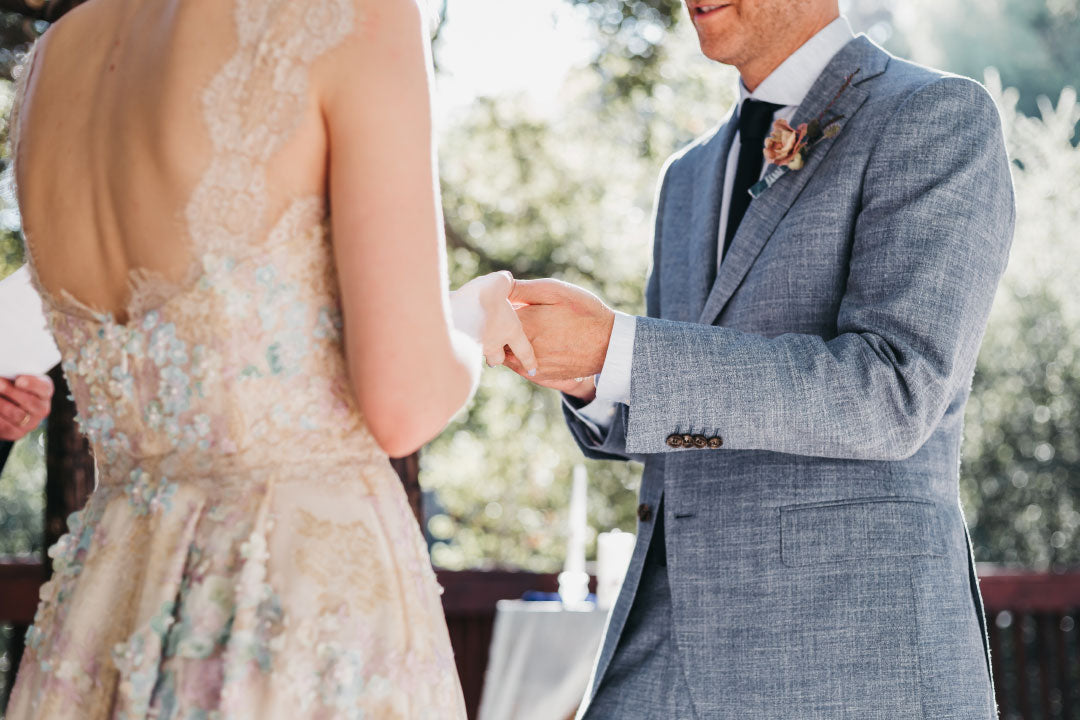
(755, 122)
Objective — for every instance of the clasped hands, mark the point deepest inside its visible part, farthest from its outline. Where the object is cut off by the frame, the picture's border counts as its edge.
(548, 331)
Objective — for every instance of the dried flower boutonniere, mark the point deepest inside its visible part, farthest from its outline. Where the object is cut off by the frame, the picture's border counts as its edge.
(787, 148)
(786, 145)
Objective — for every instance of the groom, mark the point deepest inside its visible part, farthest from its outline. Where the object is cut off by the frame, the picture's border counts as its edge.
(797, 390)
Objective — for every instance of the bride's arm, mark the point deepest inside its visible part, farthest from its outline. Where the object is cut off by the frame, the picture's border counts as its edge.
(410, 369)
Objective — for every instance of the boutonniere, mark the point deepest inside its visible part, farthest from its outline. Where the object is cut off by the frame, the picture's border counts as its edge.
(787, 148)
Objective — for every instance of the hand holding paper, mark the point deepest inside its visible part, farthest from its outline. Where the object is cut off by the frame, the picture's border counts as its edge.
(24, 403)
(26, 346)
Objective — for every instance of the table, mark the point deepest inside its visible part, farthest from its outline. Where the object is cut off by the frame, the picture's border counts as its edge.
(541, 658)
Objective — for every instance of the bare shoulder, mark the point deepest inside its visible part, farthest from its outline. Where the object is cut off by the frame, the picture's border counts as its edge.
(387, 45)
(369, 21)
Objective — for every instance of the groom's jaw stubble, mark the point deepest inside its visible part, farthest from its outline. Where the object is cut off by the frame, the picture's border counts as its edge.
(757, 35)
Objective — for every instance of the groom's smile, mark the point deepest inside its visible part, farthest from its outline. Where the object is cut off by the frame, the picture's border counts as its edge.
(707, 10)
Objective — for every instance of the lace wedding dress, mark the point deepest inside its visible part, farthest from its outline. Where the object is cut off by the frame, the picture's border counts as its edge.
(248, 551)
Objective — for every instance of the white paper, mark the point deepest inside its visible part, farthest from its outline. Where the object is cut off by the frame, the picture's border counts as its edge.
(26, 345)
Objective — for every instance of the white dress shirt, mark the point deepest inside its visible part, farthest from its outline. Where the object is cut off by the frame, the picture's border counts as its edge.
(788, 86)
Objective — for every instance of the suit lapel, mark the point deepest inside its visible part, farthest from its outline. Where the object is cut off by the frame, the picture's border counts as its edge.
(707, 194)
(768, 209)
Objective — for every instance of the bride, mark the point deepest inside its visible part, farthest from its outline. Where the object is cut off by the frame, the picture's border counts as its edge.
(231, 212)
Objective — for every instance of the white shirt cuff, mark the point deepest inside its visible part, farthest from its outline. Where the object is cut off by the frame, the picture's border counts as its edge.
(613, 382)
(600, 413)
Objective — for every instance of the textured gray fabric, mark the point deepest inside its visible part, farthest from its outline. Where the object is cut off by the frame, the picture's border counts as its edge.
(819, 563)
(646, 649)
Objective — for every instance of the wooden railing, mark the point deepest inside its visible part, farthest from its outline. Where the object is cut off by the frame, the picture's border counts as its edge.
(19, 583)
(1034, 644)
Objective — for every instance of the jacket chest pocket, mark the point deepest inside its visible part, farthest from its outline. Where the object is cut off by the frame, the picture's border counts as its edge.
(860, 529)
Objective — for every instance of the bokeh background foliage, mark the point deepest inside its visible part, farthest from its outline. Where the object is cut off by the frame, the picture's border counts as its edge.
(567, 191)
(570, 194)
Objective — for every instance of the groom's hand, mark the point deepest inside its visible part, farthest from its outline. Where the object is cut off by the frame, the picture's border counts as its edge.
(569, 329)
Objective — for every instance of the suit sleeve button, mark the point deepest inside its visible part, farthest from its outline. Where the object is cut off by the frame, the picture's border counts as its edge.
(688, 441)
(674, 441)
(644, 512)
(700, 441)
(715, 443)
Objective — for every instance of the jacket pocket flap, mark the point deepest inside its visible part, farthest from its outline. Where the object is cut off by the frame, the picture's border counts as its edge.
(859, 529)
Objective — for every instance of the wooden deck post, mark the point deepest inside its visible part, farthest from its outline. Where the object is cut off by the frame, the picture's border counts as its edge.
(408, 469)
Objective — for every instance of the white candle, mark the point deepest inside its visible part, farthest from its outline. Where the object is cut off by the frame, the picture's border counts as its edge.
(613, 552)
(575, 549)
(574, 581)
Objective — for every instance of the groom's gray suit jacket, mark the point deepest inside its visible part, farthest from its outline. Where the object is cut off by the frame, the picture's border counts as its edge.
(819, 563)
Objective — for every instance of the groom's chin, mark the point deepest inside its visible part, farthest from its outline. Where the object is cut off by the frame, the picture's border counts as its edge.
(716, 46)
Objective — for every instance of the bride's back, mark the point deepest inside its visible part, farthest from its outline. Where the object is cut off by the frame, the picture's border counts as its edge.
(121, 123)
(248, 550)
(173, 192)
(175, 180)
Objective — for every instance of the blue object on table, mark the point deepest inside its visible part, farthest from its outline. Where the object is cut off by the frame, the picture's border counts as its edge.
(538, 596)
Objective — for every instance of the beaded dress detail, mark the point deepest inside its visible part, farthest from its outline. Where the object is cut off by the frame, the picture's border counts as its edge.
(248, 552)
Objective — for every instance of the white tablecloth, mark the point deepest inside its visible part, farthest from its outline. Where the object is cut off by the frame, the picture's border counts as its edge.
(541, 657)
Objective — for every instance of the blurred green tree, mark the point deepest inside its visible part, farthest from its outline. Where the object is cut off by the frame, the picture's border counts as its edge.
(566, 193)
(1034, 44)
(11, 249)
(549, 196)
(22, 479)
(22, 502)
(1021, 464)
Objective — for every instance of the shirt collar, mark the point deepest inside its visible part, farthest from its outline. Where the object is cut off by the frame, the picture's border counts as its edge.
(791, 81)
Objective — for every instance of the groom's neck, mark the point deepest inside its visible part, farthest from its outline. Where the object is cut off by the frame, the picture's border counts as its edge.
(775, 50)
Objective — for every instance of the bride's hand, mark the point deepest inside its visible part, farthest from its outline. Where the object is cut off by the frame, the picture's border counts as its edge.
(481, 309)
